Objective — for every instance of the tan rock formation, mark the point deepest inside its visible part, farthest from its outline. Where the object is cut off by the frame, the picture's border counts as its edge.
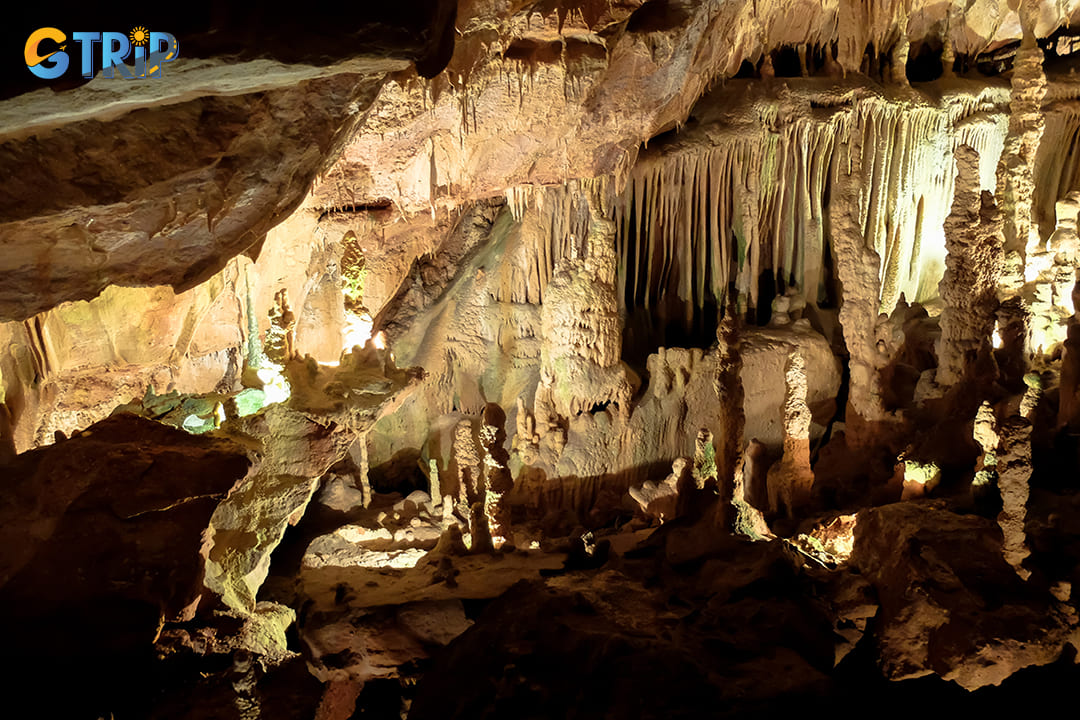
(660, 501)
(329, 409)
(938, 594)
(969, 286)
(721, 237)
(1014, 472)
(791, 481)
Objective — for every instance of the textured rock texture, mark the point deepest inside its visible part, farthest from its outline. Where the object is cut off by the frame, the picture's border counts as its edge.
(742, 348)
(932, 570)
(329, 411)
(155, 183)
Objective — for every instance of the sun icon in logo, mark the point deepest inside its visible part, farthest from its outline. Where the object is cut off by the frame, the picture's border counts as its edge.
(140, 36)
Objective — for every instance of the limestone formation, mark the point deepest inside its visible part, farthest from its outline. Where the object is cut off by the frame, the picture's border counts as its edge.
(660, 501)
(969, 286)
(1014, 472)
(329, 410)
(791, 481)
(497, 482)
(469, 470)
(422, 359)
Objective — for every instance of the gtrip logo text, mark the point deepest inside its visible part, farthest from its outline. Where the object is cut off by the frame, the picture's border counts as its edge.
(49, 53)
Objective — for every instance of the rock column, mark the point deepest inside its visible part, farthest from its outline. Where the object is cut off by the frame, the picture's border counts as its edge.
(973, 269)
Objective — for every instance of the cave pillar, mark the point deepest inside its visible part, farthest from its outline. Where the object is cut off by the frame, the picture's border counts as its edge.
(791, 481)
(1014, 472)
(973, 270)
(498, 481)
(857, 270)
(1016, 170)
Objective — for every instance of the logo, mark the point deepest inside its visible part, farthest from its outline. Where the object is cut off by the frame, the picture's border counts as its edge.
(47, 53)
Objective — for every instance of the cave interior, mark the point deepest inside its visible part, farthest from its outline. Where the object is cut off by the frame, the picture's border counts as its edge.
(540, 359)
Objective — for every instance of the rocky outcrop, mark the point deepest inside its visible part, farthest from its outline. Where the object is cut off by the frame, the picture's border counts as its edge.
(933, 570)
(101, 535)
(330, 409)
(130, 483)
(161, 183)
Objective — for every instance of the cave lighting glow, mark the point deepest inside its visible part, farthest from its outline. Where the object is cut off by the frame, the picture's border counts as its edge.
(274, 383)
(357, 330)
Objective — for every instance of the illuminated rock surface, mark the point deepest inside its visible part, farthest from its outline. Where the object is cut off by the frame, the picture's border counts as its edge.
(644, 358)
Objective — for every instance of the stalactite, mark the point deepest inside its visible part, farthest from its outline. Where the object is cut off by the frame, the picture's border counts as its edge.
(1058, 166)
(675, 222)
(697, 218)
(553, 221)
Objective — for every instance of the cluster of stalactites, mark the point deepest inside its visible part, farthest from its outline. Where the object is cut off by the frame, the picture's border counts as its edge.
(554, 223)
(704, 223)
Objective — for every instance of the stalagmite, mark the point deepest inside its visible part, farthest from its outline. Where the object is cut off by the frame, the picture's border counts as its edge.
(358, 453)
(791, 481)
(728, 385)
(481, 533)
(985, 435)
(435, 486)
(969, 287)
(497, 484)
(1014, 471)
(470, 475)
